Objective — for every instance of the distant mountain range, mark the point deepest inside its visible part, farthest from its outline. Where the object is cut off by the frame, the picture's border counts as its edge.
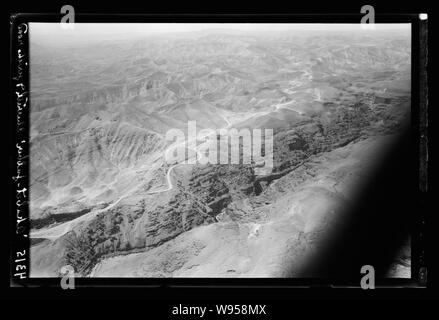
(100, 112)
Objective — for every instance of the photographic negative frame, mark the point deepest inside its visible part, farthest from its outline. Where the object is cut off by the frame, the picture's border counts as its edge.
(21, 102)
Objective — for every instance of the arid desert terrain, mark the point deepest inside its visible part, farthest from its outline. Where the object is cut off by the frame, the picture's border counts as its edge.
(104, 199)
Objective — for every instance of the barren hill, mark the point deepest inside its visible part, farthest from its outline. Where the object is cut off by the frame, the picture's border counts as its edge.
(104, 200)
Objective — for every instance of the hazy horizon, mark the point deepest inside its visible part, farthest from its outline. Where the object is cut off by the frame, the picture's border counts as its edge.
(54, 34)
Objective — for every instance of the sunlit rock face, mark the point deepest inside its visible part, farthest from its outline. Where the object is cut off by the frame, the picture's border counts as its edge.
(104, 199)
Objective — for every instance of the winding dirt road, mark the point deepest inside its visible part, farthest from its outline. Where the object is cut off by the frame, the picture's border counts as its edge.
(173, 147)
(60, 230)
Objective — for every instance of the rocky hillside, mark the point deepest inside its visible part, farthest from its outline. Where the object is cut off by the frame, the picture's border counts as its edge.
(104, 200)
